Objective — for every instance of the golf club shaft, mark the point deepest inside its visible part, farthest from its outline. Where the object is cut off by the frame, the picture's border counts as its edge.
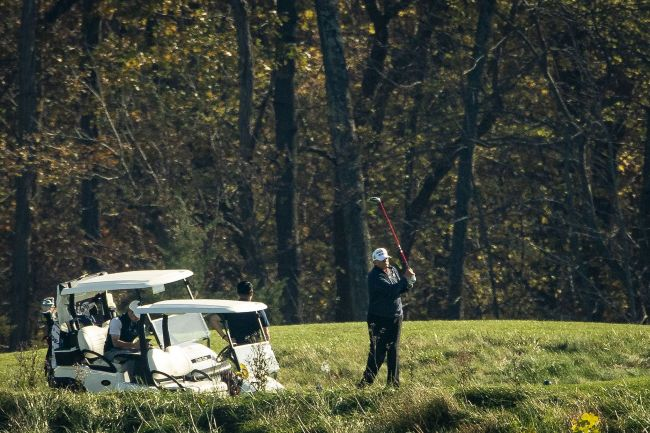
(392, 230)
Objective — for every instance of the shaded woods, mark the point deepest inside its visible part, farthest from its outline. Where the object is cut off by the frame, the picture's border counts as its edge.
(508, 140)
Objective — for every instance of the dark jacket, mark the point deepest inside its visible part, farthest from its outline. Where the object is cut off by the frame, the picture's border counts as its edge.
(245, 327)
(128, 333)
(384, 290)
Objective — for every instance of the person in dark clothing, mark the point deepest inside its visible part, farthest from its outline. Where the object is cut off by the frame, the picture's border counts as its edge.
(122, 338)
(123, 333)
(385, 315)
(243, 327)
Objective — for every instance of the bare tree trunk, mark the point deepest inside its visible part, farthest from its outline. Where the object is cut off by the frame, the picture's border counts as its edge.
(375, 62)
(89, 203)
(418, 202)
(421, 203)
(345, 308)
(288, 253)
(577, 281)
(465, 161)
(644, 220)
(487, 249)
(349, 193)
(619, 271)
(636, 308)
(21, 272)
(248, 238)
(575, 134)
(374, 69)
(245, 62)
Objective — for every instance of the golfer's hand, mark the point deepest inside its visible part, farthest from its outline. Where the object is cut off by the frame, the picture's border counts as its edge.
(410, 275)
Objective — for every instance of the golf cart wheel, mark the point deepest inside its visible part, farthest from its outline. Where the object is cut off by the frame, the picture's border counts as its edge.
(232, 381)
(66, 383)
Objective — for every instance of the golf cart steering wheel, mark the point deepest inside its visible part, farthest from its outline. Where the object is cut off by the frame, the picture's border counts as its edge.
(226, 353)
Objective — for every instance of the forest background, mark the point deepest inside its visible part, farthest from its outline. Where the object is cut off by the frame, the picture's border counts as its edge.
(508, 140)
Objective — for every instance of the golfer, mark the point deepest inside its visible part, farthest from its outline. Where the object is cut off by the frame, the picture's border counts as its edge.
(385, 285)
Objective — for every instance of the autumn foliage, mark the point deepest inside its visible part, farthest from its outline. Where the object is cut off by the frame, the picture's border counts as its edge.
(558, 223)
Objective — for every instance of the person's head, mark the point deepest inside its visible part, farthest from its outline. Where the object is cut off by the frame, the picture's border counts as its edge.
(131, 311)
(47, 305)
(380, 258)
(245, 290)
(48, 309)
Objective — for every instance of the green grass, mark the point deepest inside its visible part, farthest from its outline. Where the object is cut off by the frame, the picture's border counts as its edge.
(483, 376)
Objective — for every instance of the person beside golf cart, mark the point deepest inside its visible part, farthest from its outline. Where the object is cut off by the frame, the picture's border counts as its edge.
(385, 315)
(243, 328)
(52, 333)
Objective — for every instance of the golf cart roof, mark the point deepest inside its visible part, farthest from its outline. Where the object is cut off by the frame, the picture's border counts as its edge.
(208, 306)
(155, 279)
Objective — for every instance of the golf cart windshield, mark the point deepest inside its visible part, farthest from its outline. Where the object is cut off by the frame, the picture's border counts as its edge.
(183, 328)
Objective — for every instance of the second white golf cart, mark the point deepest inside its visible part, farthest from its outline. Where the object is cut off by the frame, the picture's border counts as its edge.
(252, 365)
(179, 360)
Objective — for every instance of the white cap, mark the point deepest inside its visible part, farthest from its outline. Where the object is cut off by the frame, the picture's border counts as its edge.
(380, 254)
(47, 304)
(132, 306)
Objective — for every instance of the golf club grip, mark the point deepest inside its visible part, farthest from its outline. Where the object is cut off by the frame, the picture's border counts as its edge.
(404, 261)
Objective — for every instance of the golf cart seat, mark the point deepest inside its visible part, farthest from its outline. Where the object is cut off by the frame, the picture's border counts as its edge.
(171, 369)
(91, 340)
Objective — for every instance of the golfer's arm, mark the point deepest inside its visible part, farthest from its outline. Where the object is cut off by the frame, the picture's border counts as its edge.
(123, 344)
(218, 326)
(384, 286)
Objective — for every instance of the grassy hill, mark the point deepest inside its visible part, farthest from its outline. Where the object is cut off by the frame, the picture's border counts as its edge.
(487, 376)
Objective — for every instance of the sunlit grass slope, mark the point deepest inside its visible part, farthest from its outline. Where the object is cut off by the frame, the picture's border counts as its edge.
(487, 376)
(452, 354)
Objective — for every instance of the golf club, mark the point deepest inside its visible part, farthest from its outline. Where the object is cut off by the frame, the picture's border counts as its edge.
(392, 230)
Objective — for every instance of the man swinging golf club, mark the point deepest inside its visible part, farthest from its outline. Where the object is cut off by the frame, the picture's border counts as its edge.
(385, 285)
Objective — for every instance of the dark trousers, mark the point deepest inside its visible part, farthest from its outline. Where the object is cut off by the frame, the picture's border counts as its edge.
(384, 333)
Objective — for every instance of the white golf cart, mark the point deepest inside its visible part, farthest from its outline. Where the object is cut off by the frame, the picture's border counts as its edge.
(253, 363)
(78, 329)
